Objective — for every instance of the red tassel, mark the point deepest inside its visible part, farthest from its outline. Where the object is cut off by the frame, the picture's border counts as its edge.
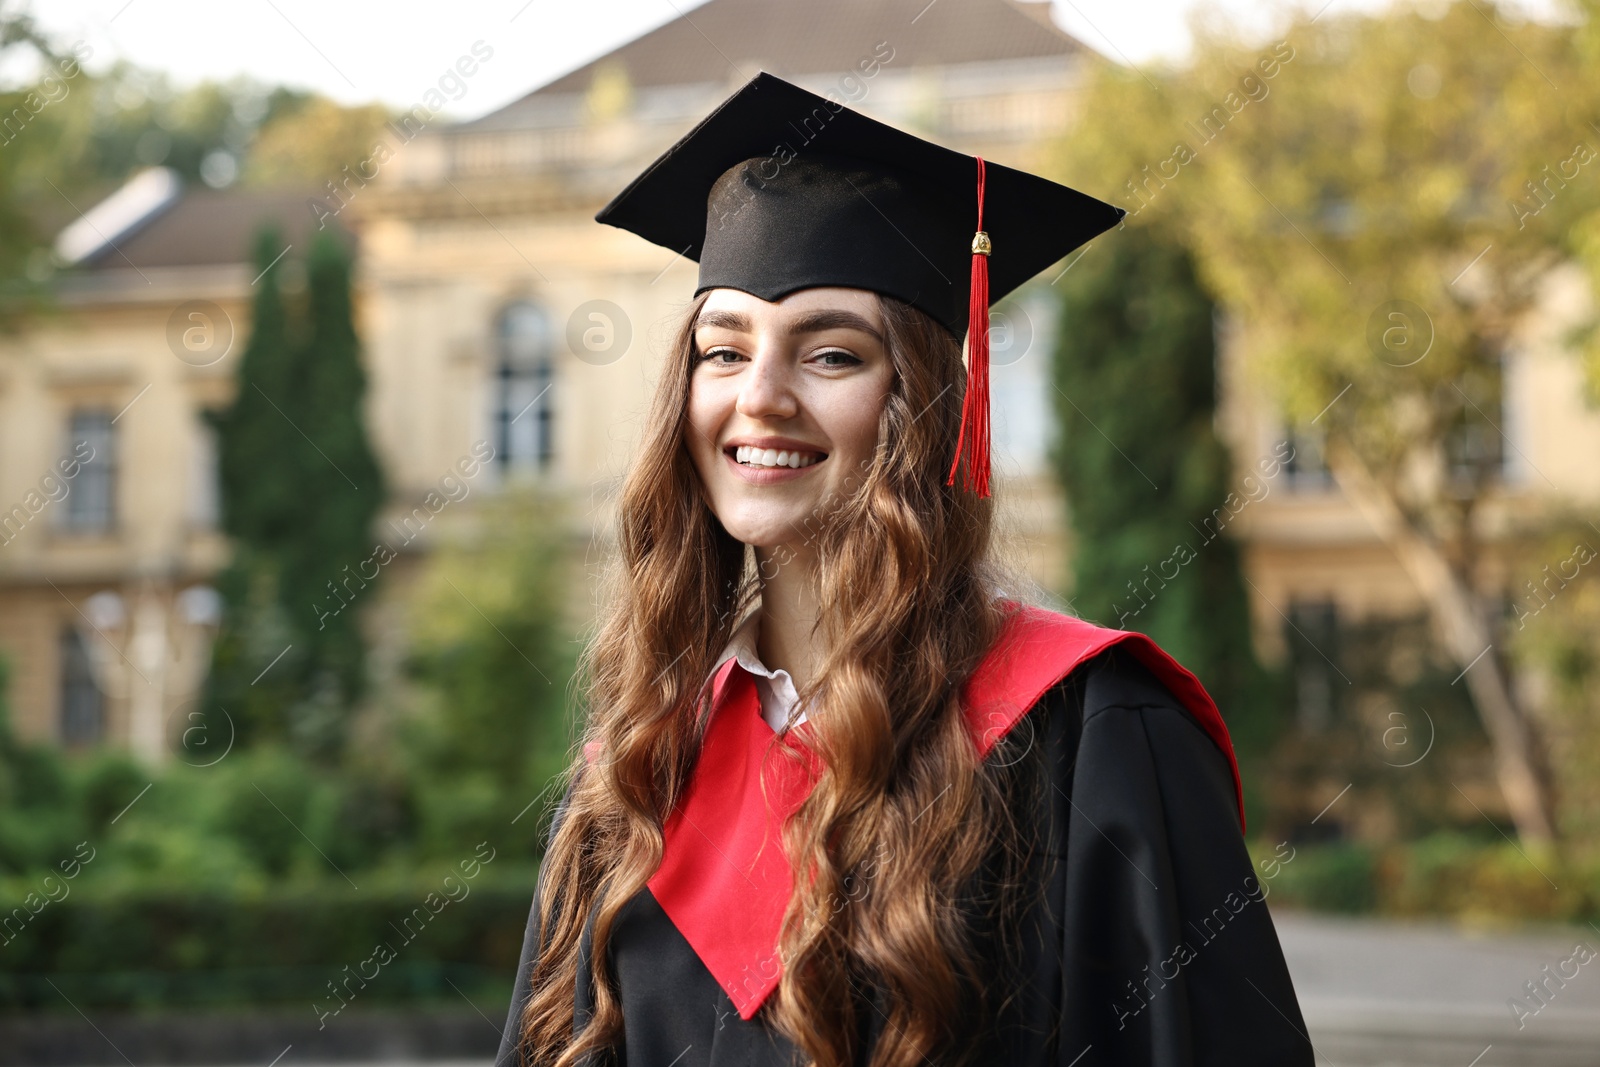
(973, 441)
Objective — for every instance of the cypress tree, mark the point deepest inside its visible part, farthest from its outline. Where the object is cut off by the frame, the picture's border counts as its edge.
(300, 489)
(1145, 473)
(330, 569)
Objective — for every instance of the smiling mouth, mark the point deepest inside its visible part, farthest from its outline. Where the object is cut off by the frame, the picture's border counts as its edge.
(764, 458)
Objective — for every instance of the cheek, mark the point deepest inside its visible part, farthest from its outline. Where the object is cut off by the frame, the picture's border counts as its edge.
(853, 426)
(708, 410)
(700, 423)
(860, 433)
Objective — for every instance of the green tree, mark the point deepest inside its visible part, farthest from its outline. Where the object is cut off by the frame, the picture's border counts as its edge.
(1584, 236)
(342, 486)
(492, 656)
(1150, 487)
(300, 490)
(26, 161)
(1557, 632)
(1380, 213)
(1397, 188)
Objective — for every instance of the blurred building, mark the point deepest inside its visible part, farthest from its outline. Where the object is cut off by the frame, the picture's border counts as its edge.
(498, 310)
(491, 307)
(108, 531)
(1319, 567)
(1371, 686)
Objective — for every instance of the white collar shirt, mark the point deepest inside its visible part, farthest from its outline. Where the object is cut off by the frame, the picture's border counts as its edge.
(775, 688)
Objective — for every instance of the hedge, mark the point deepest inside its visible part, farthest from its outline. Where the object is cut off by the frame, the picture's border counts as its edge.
(1441, 876)
(139, 946)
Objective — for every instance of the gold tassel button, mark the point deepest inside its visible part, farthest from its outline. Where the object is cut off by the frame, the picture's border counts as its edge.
(981, 245)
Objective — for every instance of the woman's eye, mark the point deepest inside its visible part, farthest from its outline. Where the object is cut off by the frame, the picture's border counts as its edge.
(835, 357)
(715, 356)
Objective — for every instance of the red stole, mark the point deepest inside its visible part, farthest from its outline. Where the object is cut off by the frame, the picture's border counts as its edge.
(724, 880)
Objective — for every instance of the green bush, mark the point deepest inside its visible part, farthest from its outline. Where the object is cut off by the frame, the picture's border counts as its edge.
(124, 943)
(1331, 877)
(263, 874)
(1443, 875)
(1454, 875)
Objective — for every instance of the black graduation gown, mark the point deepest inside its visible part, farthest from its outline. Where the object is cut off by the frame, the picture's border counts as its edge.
(1150, 943)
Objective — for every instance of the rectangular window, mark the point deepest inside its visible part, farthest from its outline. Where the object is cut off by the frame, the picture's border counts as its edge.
(1474, 445)
(82, 703)
(1020, 329)
(205, 494)
(523, 414)
(1306, 471)
(1313, 636)
(91, 506)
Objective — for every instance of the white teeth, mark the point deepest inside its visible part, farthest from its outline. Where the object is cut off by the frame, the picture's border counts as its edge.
(767, 457)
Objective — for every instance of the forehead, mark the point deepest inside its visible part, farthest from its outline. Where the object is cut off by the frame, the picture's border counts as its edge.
(804, 303)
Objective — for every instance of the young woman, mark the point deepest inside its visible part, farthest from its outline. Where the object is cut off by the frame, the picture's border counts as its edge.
(841, 800)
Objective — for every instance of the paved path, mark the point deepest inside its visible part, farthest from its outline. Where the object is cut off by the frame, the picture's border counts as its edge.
(1423, 994)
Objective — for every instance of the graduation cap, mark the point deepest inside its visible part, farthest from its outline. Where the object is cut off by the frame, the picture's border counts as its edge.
(779, 190)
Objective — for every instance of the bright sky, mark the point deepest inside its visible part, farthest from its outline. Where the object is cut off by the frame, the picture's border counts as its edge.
(359, 51)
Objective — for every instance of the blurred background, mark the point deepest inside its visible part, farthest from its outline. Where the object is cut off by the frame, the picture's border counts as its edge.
(316, 393)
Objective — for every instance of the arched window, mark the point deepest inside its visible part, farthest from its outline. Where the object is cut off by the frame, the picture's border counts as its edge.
(524, 376)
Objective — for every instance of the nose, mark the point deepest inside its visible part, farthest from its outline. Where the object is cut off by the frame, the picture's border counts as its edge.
(768, 390)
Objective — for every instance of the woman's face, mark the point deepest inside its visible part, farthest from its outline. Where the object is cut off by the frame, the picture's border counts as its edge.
(784, 400)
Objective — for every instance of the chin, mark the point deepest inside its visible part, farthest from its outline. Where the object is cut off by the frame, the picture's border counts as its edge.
(765, 531)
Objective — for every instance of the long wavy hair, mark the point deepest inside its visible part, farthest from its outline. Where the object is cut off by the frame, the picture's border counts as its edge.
(895, 838)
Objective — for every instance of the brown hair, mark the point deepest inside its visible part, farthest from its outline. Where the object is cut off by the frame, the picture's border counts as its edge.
(903, 819)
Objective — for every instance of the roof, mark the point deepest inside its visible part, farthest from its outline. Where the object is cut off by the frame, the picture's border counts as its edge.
(197, 226)
(142, 196)
(720, 39)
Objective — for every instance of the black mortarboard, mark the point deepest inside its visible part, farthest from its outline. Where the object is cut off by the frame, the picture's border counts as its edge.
(779, 189)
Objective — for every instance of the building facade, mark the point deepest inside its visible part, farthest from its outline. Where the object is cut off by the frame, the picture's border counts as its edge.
(493, 312)
(495, 315)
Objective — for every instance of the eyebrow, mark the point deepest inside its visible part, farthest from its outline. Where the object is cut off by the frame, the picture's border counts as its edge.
(811, 322)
